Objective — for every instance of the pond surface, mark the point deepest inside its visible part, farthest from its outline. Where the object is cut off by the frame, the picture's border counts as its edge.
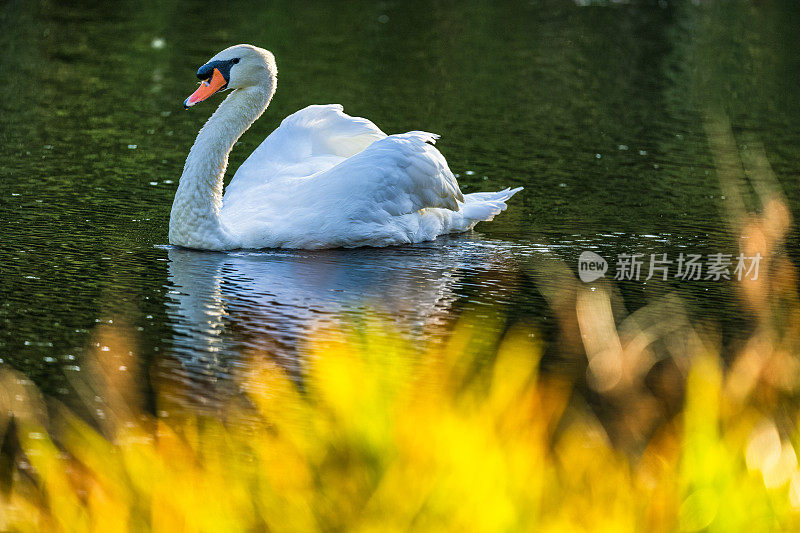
(597, 110)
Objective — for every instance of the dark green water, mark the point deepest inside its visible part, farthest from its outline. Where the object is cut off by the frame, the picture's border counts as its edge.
(597, 110)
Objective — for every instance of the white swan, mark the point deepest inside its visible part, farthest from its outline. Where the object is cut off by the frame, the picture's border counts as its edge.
(322, 179)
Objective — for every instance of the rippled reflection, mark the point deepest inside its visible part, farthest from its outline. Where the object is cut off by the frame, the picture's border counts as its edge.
(222, 305)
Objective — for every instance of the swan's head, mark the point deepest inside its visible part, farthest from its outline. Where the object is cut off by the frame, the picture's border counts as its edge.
(236, 67)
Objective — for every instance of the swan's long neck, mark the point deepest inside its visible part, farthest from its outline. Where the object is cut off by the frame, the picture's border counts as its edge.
(195, 218)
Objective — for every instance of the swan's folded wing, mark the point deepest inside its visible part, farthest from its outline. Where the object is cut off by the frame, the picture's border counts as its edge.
(397, 175)
(311, 140)
(372, 197)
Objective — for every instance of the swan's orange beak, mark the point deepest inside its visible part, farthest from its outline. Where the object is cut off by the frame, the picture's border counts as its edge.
(206, 89)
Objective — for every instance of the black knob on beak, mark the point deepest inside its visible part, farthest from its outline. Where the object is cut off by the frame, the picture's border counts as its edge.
(206, 71)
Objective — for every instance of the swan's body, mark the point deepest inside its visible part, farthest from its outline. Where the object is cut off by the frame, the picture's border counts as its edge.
(322, 179)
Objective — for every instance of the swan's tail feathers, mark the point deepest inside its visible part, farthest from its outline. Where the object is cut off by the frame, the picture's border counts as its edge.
(483, 206)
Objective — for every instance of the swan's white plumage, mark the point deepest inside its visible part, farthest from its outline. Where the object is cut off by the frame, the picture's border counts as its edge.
(322, 179)
(314, 136)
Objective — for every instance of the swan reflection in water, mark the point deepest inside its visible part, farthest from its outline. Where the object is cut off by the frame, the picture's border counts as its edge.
(223, 305)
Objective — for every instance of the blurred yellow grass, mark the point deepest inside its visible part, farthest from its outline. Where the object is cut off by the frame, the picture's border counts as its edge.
(385, 438)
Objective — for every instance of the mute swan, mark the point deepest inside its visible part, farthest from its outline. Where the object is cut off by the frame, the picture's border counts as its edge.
(322, 179)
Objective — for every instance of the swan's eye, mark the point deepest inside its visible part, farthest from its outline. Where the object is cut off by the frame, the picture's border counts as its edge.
(235, 60)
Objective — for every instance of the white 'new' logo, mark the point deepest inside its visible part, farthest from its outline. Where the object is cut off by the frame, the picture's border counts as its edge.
(591, 266)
